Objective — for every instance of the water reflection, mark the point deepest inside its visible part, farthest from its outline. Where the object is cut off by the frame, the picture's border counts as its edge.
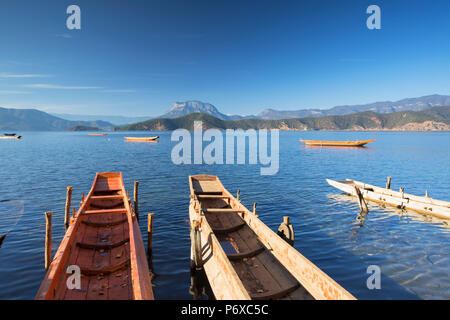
(200, 288)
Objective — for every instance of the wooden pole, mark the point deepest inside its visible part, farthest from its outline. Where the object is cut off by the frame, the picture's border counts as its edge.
(362, 203)
(48, 239)
(67, 212)
(150, 235)
(388, 183)
(82, 199)
(135, 199)
(426, 194)
(254, 209)
(238, 195)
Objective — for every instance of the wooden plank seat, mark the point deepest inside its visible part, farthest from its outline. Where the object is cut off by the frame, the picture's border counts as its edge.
(221, 210)
(229, 229)
(247, 254)
(105, 271)
(106, 211)
(212, 196)
(206, 193)
(104, 224)
(107, 197)
(96, 246)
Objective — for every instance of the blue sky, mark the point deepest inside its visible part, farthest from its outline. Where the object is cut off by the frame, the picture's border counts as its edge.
(137, 57)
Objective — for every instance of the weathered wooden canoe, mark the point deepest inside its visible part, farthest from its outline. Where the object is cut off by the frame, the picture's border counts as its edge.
(141, 138)
(243, 258)
(11, 137)
(337, 143)
(398, 199)
(97, 134)
(104, 241)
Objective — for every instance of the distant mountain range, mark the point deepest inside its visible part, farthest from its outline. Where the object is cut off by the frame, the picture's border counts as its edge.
(431, 119)
(32, 119)
(413, 104)
(35, 120)
(180, 109)
(115, 120)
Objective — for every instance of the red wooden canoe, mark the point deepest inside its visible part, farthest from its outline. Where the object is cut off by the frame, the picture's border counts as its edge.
(104, 241)
(356, 143)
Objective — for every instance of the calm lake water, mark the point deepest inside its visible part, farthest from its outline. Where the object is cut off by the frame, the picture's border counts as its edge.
(412, 251)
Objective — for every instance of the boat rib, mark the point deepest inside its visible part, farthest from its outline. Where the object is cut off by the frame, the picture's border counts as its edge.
(106, 245)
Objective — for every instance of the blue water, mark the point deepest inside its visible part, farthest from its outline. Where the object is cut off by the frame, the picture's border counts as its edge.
(411, 250)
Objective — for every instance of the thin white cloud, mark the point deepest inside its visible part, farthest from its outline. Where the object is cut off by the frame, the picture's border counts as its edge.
(21, 76)
(119, 91)
(13, 92)
(53, 86)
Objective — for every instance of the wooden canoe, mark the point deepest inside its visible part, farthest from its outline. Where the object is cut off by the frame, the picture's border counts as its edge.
(97, 134)
(398, 199)
(11, 137)
(10, 134)
(141, 138)
(243, 258)
(104, 241)
(356, 143)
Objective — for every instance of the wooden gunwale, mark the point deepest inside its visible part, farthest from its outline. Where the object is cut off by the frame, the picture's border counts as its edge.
(120, 241)
(423, 205)
(292, 276)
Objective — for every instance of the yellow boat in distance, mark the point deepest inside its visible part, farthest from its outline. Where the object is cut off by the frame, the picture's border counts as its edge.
(356, 143)
(97, 134)
(141, 138)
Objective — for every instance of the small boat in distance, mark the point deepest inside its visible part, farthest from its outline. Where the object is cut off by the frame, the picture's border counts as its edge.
(141, 138)
(104, 241)
(10, 134)
(97, 134)
(397, 199)
(244, 259)
(11, 137)
(356, 143)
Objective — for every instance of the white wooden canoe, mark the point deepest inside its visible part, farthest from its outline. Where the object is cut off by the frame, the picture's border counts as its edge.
(398, 199)
(243, 258)
(143, 139)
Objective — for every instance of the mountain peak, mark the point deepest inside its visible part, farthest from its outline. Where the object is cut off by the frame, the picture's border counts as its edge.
(179, 109)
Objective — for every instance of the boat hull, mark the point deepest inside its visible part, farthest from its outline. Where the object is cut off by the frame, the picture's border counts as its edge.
(424, 205)
(243, 258)
(337, 143)
(141, 139)
(104, 242)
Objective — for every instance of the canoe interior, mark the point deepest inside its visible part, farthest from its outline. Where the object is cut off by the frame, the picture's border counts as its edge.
(98, 241)
(261, 273)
